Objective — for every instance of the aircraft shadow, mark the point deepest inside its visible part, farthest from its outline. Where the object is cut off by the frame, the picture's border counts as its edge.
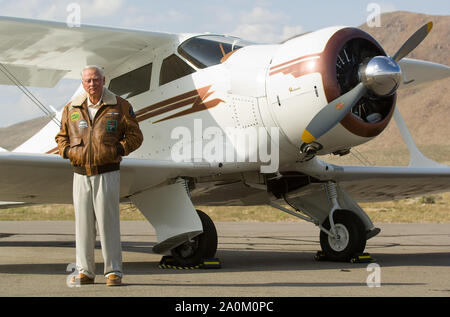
(233, 261)
(256, 254)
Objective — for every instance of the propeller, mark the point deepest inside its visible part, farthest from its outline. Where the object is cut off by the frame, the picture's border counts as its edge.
(381, 75)
(332, 114)
(413, 41)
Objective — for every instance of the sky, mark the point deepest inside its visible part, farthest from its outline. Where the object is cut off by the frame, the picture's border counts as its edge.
(266, 21)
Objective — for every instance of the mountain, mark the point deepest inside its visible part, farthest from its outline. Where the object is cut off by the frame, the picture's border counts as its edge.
(397, 27)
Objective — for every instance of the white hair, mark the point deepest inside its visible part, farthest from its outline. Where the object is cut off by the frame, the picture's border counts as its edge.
(98, 68)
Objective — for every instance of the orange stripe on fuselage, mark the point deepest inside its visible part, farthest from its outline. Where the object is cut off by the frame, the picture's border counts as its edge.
(196, 98)
(297, 67)
(167, 102)
(294, 60)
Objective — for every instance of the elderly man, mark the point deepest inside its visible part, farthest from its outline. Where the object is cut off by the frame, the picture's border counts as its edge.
(97, 129)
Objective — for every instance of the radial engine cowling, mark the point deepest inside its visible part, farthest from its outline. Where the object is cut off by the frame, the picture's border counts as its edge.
(310, 71)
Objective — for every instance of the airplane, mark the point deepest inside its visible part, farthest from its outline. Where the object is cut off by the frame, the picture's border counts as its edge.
(195, 95)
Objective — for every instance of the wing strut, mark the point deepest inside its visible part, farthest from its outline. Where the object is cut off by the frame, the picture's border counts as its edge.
(48, 113)
(417, 158)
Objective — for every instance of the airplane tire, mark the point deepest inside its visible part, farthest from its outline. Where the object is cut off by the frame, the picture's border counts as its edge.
(352, 237)
(203, 246)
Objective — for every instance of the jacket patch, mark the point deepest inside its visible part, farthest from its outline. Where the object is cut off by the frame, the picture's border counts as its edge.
(83, 124)
(75, 116)
(111, 125)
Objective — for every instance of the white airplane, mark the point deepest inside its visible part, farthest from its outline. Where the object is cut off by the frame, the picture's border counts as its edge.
(195, 95)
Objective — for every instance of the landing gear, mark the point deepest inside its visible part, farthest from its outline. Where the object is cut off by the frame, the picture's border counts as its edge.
(349, 237)
(344, 226)
(203, 246)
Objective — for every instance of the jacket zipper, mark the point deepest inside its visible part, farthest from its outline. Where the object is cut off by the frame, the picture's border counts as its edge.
(91, 163)
(91, 133)
(91, 160)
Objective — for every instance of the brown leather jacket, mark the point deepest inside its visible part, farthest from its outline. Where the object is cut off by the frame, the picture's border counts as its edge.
(97, 147)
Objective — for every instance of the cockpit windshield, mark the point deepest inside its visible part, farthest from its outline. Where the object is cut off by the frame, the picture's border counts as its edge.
(208, 50)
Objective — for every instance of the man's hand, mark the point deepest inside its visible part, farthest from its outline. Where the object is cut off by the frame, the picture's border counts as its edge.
(120, 149)
(66, 152)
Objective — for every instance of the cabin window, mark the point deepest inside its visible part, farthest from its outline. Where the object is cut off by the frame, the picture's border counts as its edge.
(209, 50)
(173, 67)
(133, 83)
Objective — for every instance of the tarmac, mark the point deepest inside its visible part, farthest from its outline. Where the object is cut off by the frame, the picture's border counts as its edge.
(257, 259)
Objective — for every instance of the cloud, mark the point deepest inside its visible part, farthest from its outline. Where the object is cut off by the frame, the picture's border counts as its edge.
(261, 15)
(166, 20)
(100, 8)
(59, 10)
(263, 33)
(30, 9)
(263, 25)
(387, 7)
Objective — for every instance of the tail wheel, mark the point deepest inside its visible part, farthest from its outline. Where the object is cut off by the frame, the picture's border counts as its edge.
(201, 247)
(351, 237)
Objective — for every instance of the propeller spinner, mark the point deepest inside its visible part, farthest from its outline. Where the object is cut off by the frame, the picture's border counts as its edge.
(381, 76)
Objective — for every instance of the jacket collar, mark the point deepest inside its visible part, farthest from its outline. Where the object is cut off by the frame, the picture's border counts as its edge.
(109, 98)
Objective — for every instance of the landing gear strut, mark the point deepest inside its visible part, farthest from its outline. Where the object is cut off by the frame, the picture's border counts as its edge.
(342, 234)
(344, 229)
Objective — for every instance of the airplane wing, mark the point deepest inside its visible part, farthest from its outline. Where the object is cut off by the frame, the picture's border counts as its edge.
(32, 178)
(40, 53)
(380, 183)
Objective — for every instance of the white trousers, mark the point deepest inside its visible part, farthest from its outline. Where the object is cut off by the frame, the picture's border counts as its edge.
(96, 199)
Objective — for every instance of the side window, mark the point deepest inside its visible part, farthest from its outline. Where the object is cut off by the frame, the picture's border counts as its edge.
(173, 68)
(133, 83)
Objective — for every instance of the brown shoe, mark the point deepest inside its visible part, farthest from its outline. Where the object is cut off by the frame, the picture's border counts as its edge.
(113, 280)
(81, 279)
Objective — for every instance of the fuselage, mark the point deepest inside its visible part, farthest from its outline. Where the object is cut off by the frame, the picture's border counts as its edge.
(222, 100)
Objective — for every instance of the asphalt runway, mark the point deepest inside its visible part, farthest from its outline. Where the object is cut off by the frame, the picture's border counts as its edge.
(258, 260)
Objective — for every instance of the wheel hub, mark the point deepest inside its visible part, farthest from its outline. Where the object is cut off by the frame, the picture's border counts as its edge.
(340, 242)
(188, 248)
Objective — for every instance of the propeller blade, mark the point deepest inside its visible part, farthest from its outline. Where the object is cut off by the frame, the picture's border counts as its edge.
(332, 114)
(413, 41)
(417, 72)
